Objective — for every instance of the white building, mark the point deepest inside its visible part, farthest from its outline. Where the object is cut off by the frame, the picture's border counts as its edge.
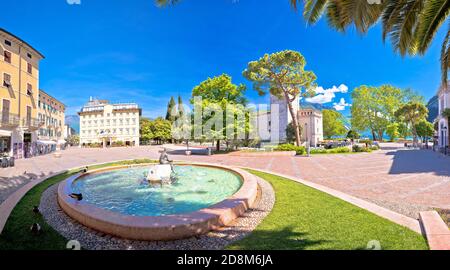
(310, 121)
(109, 124)
(444, 103)
(68, 132)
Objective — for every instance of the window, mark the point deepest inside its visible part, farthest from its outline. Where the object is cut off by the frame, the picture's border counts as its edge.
(29, 68)
(7, 42)
(29, 55)
(7, 56)
(29, 89)
(6, 80)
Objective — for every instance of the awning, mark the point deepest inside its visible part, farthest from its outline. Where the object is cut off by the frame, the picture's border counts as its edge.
(5, 133)
(46, 142)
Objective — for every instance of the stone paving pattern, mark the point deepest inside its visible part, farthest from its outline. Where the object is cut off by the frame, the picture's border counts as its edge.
(406, 181)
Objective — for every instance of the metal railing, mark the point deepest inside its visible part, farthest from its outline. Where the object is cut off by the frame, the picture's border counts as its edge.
(32, 123)
(9, 119)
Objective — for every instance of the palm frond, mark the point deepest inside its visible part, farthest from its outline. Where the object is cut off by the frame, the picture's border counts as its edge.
(434, 13)
(163, 3)
(445, 58)
(403, 27)
(314, 9)
(361, 14)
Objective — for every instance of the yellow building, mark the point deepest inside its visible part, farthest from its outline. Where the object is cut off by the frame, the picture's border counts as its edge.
(19, 71)
(51, 112)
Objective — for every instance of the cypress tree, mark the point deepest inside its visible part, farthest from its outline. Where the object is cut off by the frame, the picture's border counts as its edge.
(170, 106)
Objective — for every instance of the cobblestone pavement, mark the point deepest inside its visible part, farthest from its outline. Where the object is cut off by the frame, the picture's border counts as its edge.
(406, 181)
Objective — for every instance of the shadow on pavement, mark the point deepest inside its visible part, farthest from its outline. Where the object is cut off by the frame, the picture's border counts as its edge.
(419, 161)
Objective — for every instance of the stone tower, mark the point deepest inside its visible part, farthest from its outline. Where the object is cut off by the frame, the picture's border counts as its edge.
(280, 113)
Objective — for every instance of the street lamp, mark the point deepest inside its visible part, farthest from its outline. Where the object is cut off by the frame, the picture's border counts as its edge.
(308, 150)
(445, 140)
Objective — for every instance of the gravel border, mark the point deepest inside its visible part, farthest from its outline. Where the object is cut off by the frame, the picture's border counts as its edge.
(407, 209)
(214, 240)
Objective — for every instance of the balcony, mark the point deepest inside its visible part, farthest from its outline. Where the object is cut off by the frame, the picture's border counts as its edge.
(32, 123)
(9, 120)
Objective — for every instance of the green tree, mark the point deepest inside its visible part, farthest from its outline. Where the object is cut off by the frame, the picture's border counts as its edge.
(290, 132)
(161, 130)
(146, 133)
(181, 111)
(411, 114)
(353, 134)
(425, 130)
(374, 108)
(73, 140)
(333, 123)
(283, 75)
(392, 131)
(220, 94)
(171, 113)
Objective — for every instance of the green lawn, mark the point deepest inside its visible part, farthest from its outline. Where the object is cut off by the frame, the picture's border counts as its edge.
(304, 218)
(17, 235)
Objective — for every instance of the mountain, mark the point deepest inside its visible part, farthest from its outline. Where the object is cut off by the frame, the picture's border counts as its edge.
(433, 109)
(73, 121)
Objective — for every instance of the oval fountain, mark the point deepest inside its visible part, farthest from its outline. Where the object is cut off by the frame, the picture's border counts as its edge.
(138, 202)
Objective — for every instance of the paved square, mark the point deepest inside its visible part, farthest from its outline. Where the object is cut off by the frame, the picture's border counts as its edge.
(406, 181)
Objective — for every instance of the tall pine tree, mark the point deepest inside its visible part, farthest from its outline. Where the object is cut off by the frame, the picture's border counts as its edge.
(180, 107)
(171, 116)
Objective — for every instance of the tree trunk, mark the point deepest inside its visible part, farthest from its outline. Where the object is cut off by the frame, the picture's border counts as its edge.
(414, 132)
(218, 146)
(294, 119)
(380, 136)
(374, 137)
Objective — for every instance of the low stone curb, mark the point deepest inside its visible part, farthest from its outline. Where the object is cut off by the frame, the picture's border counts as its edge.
(214, 240)
(400, 219)
(7, 206)
(435, 230)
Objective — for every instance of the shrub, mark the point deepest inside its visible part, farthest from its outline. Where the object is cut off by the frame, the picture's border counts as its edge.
(319, 151)
(336, 150)
(367, 142)
(361, 149)
(300, 150)
(340, 150)
(374, 147)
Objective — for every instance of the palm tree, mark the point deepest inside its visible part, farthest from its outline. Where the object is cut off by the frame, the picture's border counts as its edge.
(411, 25)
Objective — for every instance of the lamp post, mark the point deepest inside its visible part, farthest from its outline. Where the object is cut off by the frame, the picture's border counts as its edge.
(308, 150)
(445, 140)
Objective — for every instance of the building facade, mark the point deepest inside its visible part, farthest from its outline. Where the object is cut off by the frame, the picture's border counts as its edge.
(105, 124)
(69, 131)
(19, 95)
(51, 112)
(310, 120)
(444, 103)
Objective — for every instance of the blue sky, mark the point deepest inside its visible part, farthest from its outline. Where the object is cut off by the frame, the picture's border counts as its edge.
(132, 51)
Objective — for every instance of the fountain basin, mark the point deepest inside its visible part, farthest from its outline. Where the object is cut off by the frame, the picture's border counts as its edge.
(159, 226)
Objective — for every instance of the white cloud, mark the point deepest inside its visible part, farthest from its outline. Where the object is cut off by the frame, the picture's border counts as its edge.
(326, 95)
(341, 105)
(74, 2)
